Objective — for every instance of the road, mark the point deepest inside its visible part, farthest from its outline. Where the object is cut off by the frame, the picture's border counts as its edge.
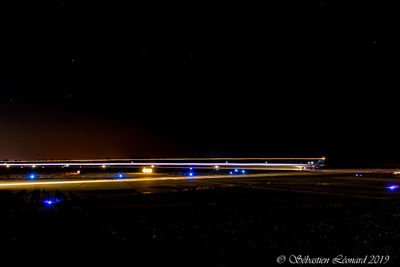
(256, 216)
(370, 184)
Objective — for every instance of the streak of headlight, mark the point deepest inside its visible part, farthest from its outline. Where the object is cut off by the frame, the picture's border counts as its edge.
(118, 180)
(161, 164)
(172, 159)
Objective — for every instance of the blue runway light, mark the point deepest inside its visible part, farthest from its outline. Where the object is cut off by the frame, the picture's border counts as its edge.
(243, 171)
(393, 187)
(191, 168)
(236, 170)
(51, 201)
(190, 173)
(32, 176)
(230, 172)
(120, 175)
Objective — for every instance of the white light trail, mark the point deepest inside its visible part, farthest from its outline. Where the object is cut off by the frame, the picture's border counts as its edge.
(157, 164)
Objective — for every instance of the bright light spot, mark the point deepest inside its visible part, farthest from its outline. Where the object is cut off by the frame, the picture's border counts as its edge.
(191, 168)
(67, 165)
(396, 172)
(243, 171)
(236, 170)
(50, 202)
(32, 176)
(104, 166)
(216, 167)
(230, 172)
(8, 166)
(190, 173)
(152, 166)
(147, 170)
(393, 187)
(33, 166)
(78, 172)
(120, 175)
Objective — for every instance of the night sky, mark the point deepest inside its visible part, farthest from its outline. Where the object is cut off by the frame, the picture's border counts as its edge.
(98, 79)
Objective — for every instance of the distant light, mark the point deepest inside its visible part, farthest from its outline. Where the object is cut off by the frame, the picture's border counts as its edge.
(120, 175)
(393, 187)
(67, 165)
(191, 168)
(147, 170)
(236, 170)
(190, 173)
(216, 167)
(8, 166)
(104, 166)
(33, 166)
(32, 176)
(49, 202)
(152, 166)
(78, 172)
(356, 174)
(230, 172)
(243, 171)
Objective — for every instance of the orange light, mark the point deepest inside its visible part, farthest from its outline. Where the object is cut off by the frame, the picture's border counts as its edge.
(147, 170)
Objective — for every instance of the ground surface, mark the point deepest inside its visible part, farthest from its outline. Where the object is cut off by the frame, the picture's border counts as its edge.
(202, 220)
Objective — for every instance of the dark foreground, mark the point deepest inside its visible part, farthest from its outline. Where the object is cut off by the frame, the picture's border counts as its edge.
(240, 224)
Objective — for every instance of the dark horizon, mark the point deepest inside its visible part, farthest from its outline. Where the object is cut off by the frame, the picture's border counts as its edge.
(98, 80)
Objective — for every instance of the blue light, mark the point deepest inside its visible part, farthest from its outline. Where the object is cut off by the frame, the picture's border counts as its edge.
(191, 168)
(243, 171)
(393, 187)
(51, 201)
(190, 173)
(120, 175)
(230, 172)
(236, 170)
(32, 176)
